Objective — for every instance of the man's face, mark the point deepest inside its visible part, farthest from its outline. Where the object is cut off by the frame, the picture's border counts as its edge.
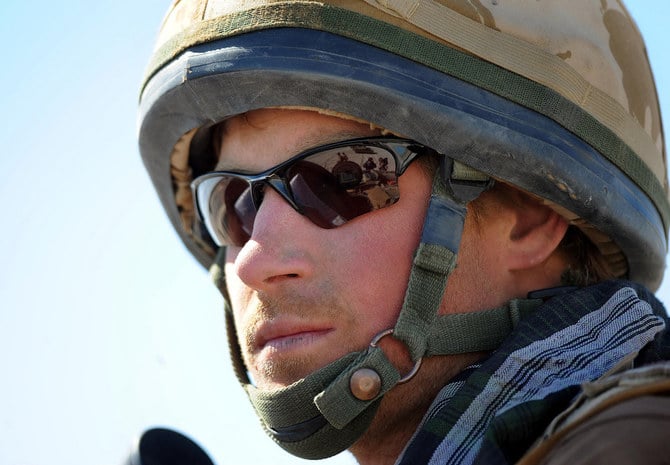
(303, 296)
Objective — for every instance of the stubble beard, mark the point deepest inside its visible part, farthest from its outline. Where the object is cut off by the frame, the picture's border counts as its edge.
(281, 371)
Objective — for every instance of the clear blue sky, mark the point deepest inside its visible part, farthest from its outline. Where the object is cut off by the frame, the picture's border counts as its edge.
(107, 325)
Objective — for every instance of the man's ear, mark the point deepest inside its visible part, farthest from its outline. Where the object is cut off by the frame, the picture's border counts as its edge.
(536, 232)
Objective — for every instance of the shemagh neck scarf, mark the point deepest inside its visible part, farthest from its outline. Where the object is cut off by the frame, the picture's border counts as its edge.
(493, 412)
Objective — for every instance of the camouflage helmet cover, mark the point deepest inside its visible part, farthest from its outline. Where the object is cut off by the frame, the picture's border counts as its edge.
(579, 64)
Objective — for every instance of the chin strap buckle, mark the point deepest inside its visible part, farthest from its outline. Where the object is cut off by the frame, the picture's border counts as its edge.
(366, 384)
(417, 364)
(463, 182)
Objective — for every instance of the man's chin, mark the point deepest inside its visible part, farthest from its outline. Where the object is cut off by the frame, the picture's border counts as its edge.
(276, 376)
(281, 373)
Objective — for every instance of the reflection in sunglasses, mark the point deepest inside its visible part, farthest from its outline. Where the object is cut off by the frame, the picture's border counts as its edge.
(330, 185)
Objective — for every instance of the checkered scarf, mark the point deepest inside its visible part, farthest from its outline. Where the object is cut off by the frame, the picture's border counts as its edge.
(492, 413)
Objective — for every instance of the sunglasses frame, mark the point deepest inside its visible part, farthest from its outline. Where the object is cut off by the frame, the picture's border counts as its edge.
(404, 152)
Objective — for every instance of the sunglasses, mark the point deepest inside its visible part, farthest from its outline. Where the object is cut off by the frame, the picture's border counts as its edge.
(329, 184)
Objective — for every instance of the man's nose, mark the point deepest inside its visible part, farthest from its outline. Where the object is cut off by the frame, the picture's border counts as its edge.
(277, 249)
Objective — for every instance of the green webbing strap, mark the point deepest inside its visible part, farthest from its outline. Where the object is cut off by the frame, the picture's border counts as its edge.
(434, 260)
(334, 420)
(432, 266)
(295, 407)
(460, 333)
(218, 275)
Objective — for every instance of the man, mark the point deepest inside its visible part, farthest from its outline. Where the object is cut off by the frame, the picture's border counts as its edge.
(469, 307)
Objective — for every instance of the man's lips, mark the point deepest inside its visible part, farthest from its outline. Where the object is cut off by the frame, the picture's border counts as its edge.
(284, 336)
(295, 340)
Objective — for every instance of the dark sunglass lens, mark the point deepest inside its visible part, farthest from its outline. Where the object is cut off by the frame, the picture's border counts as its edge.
(338, 185)
(232, 211)
(245, 211)
(319, 195)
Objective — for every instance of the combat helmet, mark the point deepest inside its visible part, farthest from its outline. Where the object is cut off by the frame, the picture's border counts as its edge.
(555, 98)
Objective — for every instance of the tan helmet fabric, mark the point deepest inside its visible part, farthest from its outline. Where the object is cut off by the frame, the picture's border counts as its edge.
(580, 63)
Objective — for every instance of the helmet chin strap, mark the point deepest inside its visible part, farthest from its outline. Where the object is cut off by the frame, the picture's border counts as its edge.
(328, 410)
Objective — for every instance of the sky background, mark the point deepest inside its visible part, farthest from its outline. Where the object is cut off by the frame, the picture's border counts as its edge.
(107, 325)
